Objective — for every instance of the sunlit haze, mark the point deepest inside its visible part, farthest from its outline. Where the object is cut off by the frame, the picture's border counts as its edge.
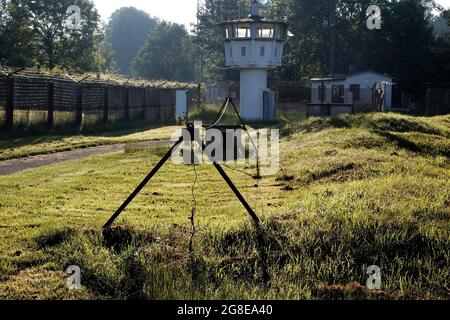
(180, 11)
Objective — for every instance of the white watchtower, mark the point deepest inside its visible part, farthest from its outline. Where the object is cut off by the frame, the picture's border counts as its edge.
(254, 46)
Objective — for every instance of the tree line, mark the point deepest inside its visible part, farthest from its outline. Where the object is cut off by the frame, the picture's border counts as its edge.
(413, 44)
(405, 47)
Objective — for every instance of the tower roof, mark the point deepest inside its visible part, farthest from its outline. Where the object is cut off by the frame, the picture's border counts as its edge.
(254, 20)
(254, 16)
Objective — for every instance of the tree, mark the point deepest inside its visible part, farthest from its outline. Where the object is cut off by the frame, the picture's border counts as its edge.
(441, 53)
(403, 46)
(15, 38)
(167, 54)
(307, 51)
(105, 59)
(208, 42)
(127, 30)
(57, 44)
(440, 26)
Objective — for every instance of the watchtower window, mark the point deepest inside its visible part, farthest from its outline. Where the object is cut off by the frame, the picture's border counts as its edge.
(227, 33)
(231, 52)
(243, 31)
(243, 51)
(265, 31)
(262, 51)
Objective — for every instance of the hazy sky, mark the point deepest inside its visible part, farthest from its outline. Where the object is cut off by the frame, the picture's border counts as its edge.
(180, 11)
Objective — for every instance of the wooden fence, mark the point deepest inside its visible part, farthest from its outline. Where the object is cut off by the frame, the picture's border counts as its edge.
(27, 100)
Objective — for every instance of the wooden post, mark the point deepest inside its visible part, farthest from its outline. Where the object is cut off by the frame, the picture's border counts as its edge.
(9, 103)
(127, 104)
(162, 100)
(144, 109)
(106, 105)
(50, 107)
(199, 95)
(79, 106)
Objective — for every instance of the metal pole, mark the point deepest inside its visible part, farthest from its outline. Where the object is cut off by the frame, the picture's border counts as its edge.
(141, 185)
(156, 169)
(236, 192)
(51, 105)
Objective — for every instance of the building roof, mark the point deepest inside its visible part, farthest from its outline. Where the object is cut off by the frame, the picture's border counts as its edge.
(343, 76)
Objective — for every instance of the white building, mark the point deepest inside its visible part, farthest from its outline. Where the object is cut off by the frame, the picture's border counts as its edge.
(346, 92)
(254, 46)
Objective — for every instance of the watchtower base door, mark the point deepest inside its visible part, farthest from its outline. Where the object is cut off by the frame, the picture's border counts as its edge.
(253, 85)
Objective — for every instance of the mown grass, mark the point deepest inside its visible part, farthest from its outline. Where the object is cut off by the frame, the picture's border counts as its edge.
(20, 147)
(347, 197)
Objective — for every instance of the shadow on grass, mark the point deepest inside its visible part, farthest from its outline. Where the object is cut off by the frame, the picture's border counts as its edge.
(429, 147)
(17, 139)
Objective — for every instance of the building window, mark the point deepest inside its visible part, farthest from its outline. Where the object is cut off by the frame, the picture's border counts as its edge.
(337, 93)
(276, 52)
(355, 90)
(262, 51)
(243, 31)
(231, 52)
(321, 93)
(265, 31)
(243, 51)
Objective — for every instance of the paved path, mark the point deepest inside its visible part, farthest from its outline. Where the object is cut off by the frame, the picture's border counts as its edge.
(16, 165)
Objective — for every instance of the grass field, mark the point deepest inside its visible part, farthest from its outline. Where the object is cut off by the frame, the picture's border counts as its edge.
(353, 191)
(20, 147)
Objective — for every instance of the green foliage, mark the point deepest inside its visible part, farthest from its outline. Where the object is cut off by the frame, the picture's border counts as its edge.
(127, 30)
(13, 26)
(51, 43)
(56, 44)
(440, 26)
(441, 52)
(167, 54)
(208, 39)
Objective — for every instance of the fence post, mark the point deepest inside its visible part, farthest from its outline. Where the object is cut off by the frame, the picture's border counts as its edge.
(9, 103)
(199, 97)
(51, 107)
(127, 104)
(144, 109)
(79, 106)
(161, 105)
(106, 105)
